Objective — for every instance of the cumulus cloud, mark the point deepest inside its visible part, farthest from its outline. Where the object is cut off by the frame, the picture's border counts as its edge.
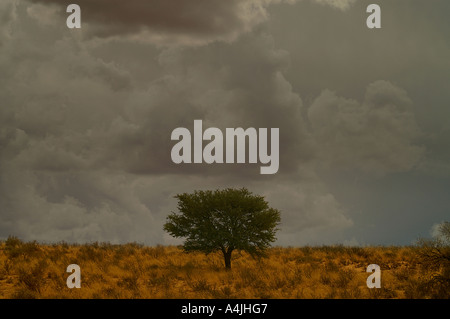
(86, 151)
(168, 22)
(85, 142)
(338, 4)
(377, 136)
(441, 231)
(74, 206)
(311, 215)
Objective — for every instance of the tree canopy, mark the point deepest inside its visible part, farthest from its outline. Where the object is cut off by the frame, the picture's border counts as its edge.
(224, 220)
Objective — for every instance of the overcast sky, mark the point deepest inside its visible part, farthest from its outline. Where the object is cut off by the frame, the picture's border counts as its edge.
(86, 115)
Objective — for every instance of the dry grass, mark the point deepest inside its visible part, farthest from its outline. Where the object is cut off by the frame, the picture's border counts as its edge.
(31, 270)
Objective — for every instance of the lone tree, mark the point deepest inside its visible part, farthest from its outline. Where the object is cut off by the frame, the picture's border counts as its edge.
(224, 220)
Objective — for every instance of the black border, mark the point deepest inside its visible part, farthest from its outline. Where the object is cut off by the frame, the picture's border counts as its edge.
(171, 308)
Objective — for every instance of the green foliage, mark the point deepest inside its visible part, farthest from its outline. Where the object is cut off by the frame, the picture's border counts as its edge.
(224, 220)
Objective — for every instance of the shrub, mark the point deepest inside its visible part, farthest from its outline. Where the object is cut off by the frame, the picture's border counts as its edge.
(33, 278)
(12, 242)
(435, 255)
(16, 248)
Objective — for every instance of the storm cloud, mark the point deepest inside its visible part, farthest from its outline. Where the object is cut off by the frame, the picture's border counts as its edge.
(86, 117)
(376, 136)
(172, 22)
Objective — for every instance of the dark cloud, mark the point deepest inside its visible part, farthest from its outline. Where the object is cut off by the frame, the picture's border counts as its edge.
(377, 136)
(85, 123)
(174, 22)
(166, 21)
(85, 147)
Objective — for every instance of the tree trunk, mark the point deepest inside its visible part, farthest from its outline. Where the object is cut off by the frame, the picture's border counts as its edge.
(227, 257)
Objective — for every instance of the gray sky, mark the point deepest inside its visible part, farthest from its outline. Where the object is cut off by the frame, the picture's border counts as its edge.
(86, 115)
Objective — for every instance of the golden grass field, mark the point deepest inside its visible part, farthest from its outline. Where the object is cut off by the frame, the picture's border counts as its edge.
(32, 270)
